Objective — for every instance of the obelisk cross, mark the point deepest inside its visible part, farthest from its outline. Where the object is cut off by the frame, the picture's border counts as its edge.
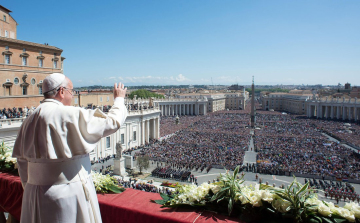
(252, 115)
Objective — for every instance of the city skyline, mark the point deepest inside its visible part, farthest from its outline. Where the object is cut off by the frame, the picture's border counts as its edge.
(200, 42)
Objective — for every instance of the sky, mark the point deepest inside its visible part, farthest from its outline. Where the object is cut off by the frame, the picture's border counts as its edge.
(211, 42)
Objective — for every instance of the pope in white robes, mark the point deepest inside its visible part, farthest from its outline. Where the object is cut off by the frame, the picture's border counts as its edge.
(52, 149)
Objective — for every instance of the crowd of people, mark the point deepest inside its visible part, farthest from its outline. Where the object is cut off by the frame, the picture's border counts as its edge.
(170, 173)
(148, 187)
(168, 124)
(7, 113)
(216, 140)
(292, 144)
(345, 132)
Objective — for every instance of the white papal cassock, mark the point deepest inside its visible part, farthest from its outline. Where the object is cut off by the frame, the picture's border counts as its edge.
(52, 149)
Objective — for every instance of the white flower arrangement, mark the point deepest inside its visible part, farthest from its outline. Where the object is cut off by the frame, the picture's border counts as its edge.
(298, 201)
(6, 161)
(105, 183)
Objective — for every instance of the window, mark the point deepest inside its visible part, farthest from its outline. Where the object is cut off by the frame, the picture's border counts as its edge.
(108, 142)
(24, 61)
(75, 100)
(107, 98)
(6, 47)
(122, 139)
(4, 18)
(55, 64)
(16, 80)
(6, 33)
(40, 90)
(134, 135)
(7, 59)
(33, 81)
(100, 99)
(41, 62)
(24, 90)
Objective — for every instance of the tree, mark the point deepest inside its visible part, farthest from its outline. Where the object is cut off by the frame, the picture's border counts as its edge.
(143, 162)
(144, 94)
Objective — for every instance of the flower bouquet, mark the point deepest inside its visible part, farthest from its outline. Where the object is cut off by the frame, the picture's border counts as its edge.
(105, 183)
(167, 184)
(7, 163)
(261, 203)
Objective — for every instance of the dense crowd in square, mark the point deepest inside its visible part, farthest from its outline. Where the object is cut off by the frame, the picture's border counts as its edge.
(298, 145)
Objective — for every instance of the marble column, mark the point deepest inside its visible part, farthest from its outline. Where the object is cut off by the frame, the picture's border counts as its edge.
(349, 113)
(157, 128)
(326, 112)
(147, 130)
(338, 112)
(344, 113)
(332, 112)
(143, 132)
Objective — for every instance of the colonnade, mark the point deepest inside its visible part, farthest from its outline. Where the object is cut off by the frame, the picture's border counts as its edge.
(345, 110)
(182, 109)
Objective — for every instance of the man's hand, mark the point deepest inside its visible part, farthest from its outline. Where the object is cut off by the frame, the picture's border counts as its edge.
(119, 91)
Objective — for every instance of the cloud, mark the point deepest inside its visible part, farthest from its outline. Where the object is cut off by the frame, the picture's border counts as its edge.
(181, 78)
(115, 78)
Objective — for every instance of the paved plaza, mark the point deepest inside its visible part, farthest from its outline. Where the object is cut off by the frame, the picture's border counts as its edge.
(249, 177)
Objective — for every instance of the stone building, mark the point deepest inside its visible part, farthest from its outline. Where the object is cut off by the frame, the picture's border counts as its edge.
(292, 102)
(23, 65)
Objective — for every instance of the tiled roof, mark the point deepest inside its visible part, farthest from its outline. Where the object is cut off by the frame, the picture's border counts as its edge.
(10, 40)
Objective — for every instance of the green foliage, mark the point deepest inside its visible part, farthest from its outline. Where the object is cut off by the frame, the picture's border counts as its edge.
(105, 183)
(143, 162)
(296, 203)
(230, 188)
(7, 163)
(296, 194)
(144, 94)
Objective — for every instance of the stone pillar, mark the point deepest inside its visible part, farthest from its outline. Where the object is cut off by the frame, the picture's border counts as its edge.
(344, 113)
(205, 110)
(173, 110)
(169, 110)
(355, 113)
(147, 128)
(188, 109)
(326, 112)
(154, 128)
(332, 112)
(349, 113)
(338, 112)
(157, 128)
(143, 132)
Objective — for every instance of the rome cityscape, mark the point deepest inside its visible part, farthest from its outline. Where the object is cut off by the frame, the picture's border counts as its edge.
(211, 86)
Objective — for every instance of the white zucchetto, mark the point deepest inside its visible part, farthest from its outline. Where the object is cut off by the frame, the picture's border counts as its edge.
(52, 82)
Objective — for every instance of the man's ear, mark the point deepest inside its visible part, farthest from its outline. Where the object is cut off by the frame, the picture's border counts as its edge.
(62, 93)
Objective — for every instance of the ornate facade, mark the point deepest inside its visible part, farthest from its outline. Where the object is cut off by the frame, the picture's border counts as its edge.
(334, 108)
(23, 65)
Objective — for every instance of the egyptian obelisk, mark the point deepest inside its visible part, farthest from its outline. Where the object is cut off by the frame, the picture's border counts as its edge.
(252, 115)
